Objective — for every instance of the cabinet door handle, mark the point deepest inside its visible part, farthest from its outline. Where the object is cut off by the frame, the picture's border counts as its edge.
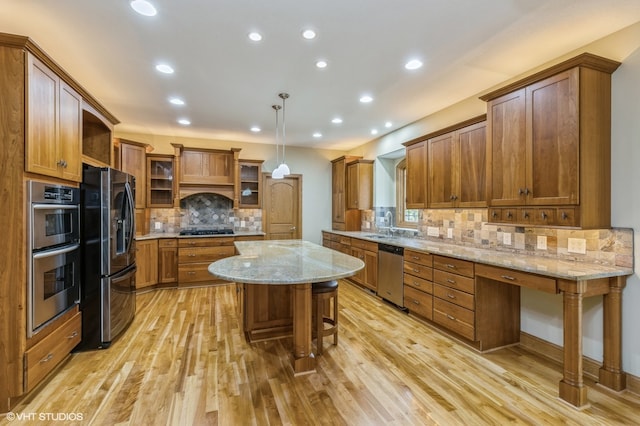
(48, 358)
(293, 228)
(509, 215)
(452, 318)
(544, 216)
(62, 163)
(72, 335)
(520, 191)
(564, 216)
(494, 214)
(508, 277)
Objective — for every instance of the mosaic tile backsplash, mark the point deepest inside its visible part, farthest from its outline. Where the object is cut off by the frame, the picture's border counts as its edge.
(470, 227)
(208, 211)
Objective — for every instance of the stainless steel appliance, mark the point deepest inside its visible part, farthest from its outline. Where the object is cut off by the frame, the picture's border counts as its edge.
(108, 301)
(54, 251)
(390, 275)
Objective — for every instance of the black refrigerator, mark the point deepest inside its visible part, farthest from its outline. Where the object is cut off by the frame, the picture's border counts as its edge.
(107, 235)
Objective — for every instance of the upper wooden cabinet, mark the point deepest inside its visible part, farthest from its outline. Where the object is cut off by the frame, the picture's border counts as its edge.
(549, 143)
(160, 181)
(133, 160)
(54, 124)
(457, 168)
(416, 182)
(207, 167)
(342, 219)
(250, 187)
(359, 184)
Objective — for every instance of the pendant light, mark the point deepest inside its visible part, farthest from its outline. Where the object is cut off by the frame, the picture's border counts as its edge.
(283, 166)
(277, 173)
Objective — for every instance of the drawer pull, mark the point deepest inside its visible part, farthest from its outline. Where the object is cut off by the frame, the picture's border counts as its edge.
(416, 302)
(46, 359)
(417, 271)
(415, 257)
(451, 296)
(191, 273)
(450, 281)
(416, 283)
(191, 255)
(73, 335)
(452, 318)
(450, 266)
(508, 277)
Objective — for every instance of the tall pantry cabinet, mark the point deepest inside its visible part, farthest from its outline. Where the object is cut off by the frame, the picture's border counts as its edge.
(42, 137)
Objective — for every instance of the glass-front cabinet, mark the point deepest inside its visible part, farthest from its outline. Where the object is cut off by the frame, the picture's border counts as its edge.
(160, 181)
(250, 183)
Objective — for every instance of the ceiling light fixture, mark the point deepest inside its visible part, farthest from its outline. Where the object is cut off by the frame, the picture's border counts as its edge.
(388, 124)
(277, 173)
(321, 64)
(283, 168)
(184, 122)
(254, 36)
(164, 69)
(317, 135)
(143, 7)
(176, 101)
(309, 34)
(374, 131)
(337, 120)
(256, 129)
(365, 99)
(413, 64)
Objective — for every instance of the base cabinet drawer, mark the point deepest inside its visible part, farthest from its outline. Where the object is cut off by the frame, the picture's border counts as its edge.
(418, 302)
(456, 297)
(45, 355)
(454, 317)
(195, 273)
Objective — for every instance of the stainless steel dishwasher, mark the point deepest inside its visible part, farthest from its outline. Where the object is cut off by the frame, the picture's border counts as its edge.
(390, 284)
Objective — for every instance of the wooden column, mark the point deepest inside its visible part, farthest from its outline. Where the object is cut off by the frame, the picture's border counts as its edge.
(611, 374)
(572, 387)
(303, 359)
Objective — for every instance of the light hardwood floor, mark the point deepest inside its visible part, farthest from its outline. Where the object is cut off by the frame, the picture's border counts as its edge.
(185, 361)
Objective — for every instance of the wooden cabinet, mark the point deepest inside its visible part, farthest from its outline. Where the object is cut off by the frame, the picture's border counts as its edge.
(418, 283)
(54, 124)
(549, 143)
(45, 355)
(203, 167)
(342, 218)
(167, 261)
(161, 185)
(147, 263)
(367, 251)
(359, 184)
(132, 159)
(416, 183)
(195, 255)
(454, 289)
(250, 186)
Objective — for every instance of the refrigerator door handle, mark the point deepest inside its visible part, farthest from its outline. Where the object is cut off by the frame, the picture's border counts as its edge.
(131, 228)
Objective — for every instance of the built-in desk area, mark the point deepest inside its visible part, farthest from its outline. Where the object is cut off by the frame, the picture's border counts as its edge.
(497, 278)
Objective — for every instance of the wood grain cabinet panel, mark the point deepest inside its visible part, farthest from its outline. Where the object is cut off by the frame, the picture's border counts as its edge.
(416, 184)
(417, 283)
(147, 263)
(343, 218)
(360, 184)
(196, 254)
(167, 261)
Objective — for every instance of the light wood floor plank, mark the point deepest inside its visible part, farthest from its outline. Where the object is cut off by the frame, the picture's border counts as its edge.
(185, 361)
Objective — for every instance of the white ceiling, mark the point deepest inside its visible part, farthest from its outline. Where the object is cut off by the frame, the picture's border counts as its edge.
(229, 83)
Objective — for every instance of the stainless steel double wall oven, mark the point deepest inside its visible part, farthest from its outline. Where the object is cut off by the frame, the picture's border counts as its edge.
(54, 252)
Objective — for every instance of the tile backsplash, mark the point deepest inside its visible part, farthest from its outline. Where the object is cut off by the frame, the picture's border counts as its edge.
(205, 210)
(470, 227)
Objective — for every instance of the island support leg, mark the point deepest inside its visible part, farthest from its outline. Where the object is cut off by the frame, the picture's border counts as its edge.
(611, 374)
(572, 387)
(303, 358)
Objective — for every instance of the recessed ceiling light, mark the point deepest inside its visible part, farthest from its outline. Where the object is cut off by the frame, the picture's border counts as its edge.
(254, 36)
(143, 7)
(374, 131)
(413, 64)
(317, 135)
(164, 68)
(176, 101)
(309, 34)
(256, 129)
(365, 99)
(388, 124)
(337, 120)
(184, 122)
(321, 63)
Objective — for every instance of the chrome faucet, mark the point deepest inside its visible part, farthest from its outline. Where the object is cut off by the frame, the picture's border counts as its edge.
(388, 218)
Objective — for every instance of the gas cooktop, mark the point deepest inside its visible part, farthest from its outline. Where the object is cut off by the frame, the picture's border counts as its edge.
(224, 231)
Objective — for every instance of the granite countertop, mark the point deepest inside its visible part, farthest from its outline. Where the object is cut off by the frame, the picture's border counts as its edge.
(158, 235)
(284, 262)
(548, 266)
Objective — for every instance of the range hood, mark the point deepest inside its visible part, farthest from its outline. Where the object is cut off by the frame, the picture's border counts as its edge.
(227, 191)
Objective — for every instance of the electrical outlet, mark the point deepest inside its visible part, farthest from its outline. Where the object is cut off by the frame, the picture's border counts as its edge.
(506, 238)
(542, 242)
(433, 231)
(158, 225)
(577, 245)
(449, 232)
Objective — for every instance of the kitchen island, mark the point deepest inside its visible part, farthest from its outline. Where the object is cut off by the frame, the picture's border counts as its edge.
(294, 263)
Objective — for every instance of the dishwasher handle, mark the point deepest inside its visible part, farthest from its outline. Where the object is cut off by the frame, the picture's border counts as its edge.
(391, 249)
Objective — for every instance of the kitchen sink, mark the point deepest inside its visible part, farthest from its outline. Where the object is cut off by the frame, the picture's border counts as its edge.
(378, 236)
